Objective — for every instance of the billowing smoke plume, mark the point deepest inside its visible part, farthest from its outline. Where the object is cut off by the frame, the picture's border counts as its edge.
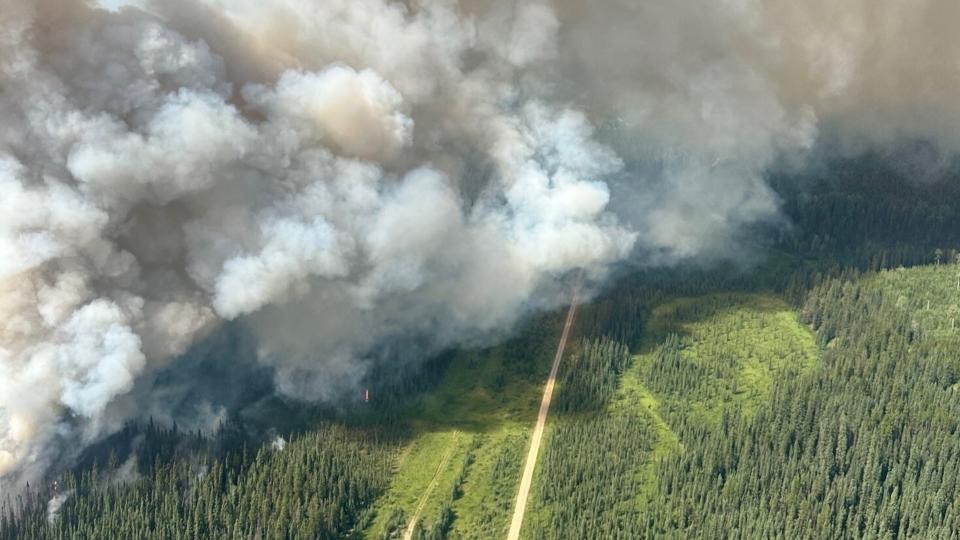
(343, 174)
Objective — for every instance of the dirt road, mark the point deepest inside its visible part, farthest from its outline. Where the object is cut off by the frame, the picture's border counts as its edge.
(535, 440)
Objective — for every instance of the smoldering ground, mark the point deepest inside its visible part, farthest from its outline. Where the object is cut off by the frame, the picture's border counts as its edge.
(342, 174)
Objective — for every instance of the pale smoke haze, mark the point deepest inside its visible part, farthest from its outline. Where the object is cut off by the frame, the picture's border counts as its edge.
(54, 504)
(344, 174)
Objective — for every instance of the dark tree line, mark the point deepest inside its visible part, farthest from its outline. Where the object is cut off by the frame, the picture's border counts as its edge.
(870, 213)
(317, 485)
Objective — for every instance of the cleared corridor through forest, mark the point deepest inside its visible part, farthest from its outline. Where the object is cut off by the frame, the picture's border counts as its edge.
(527, 479)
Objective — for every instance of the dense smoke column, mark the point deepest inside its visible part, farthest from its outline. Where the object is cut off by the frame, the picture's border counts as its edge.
(161, 175)
(347, 176)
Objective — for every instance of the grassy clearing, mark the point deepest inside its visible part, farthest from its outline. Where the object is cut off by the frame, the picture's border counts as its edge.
(416, 469)
(480, 415)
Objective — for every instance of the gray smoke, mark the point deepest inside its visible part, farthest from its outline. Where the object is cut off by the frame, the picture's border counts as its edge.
(344, 173)
(55, 503)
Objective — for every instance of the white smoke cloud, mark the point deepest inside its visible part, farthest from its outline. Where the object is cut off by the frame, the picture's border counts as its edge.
(55, 503)
(349, 173)
(356, 114)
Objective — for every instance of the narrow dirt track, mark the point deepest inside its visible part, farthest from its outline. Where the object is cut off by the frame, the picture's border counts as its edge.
(527, 479)
(412, 525)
